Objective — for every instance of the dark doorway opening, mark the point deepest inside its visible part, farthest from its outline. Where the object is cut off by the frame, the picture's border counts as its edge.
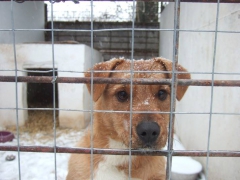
(40, 95)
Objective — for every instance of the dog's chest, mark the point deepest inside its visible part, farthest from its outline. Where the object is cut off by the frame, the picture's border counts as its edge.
(107, 168)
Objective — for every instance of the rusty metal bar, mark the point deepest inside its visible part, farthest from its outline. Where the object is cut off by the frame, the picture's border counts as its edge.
(138, 81)
(48, 149)
(118, 29)
(196, 1)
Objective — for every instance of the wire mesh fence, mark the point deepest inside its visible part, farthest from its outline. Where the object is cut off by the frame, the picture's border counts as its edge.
(117, 14)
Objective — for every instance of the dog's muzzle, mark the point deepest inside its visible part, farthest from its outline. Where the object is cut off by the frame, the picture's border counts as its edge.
(148, 133)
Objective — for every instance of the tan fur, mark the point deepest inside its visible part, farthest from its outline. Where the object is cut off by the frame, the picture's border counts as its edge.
(115, 126)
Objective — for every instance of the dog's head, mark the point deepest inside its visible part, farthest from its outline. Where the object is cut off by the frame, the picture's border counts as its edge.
(149, 102)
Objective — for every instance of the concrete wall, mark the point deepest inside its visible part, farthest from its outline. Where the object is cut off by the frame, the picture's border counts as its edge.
(27, 15)
(70, 96)
(196, 54)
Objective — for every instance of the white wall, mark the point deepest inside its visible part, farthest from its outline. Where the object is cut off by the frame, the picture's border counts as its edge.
(70, 96)
(196, 54)
(27, 15)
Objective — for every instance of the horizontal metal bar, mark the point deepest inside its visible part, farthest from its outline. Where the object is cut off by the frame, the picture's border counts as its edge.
(138, 81)
(122, 71)
(76, 1)
(127, 112)
(48, 149)
(118, 29)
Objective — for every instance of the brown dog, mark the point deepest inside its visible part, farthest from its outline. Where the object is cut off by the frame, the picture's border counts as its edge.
(111, 130)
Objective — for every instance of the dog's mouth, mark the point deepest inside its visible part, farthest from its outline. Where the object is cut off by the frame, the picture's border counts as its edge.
(149, 146)
(139, 145)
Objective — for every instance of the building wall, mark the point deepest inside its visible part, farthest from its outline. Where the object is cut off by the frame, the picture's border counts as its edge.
(112, 44)
(27, 15)
(196, 50)
(73, 58)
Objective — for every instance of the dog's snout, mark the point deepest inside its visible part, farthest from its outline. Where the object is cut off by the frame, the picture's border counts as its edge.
(148, 132)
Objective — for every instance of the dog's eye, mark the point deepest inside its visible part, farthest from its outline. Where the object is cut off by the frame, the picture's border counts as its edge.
(162, 95)
(122, 96)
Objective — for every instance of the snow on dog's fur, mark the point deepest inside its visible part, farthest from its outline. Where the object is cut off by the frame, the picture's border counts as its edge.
(112, 129)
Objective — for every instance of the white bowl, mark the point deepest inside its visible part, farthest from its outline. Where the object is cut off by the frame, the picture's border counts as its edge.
(185, 168)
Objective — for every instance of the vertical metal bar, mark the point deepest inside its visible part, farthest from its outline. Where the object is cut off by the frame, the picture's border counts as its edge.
(159, 37)
(16, 87)
(131, 91)
(212, 88)
(92, 144)
(173, 86)
(54, 95)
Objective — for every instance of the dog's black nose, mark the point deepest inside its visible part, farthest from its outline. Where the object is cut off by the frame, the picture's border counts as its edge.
(148, 132)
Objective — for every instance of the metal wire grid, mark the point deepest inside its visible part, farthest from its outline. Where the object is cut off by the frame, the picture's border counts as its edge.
(173, 82)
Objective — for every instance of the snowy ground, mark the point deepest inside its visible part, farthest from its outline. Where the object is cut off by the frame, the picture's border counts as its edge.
(38, 166)
(41, 166)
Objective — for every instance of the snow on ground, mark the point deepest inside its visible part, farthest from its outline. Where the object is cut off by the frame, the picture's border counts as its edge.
(41, 166)
(38, 166)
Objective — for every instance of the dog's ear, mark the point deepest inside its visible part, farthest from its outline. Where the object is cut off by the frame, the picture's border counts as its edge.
(168, 66)
(104, 66)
